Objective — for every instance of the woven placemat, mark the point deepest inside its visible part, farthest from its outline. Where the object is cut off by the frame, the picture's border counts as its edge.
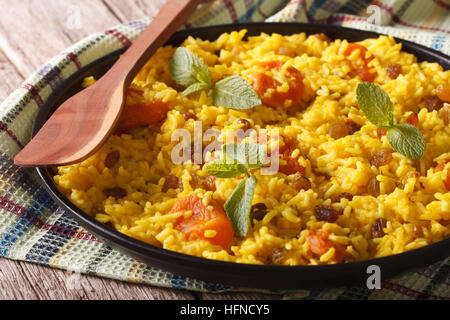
(33, 228)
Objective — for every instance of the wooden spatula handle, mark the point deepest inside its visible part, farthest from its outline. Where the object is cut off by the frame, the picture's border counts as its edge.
(169, 19)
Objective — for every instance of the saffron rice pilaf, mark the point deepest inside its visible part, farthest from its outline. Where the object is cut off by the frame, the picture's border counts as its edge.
(342, 193)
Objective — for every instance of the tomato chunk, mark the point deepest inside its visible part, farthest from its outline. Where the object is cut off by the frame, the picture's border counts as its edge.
(364, 72)
(319, 244)
(262, 82)
(203, 219)
(141, 114)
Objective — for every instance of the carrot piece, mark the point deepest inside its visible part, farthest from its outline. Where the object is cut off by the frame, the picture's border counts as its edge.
(364, 72)
(142, 113)
(413, 119)
(203, 219)
(262, 82)
(320, 244)
(443, 92)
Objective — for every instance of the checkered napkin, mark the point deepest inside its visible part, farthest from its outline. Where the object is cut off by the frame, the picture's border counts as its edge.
(33, 228)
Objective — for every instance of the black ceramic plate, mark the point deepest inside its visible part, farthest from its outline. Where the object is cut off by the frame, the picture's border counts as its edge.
(242, 275)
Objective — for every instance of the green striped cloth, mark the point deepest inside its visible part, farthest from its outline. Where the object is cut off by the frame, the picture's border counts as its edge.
(33, 228)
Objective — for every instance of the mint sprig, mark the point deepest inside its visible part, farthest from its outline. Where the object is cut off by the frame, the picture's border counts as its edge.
(238, 205)
(378, 109)
(238, 159)
(235, 92)
(188, 70)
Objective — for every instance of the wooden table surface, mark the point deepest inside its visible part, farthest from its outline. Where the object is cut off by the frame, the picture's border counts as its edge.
(32, 32)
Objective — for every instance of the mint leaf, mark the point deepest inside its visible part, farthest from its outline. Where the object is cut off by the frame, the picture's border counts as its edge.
(238, 205)
(407, 140)
(194, 88)
(224, 169)
(236, 93)
(375, 104)
(250, 154)
(186, 68)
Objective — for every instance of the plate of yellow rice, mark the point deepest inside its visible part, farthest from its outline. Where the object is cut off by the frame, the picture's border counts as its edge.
(348, 191)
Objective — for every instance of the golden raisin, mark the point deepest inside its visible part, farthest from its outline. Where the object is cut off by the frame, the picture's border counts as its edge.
(377, 228)
(338, 130)
(393, 70)
(278, 256)
(300, 182)
(373, 188)
(433, 103)
(381, 158)
(245, 124)
(112, 158)
(444, 114)
(171, 182)
(209, 184)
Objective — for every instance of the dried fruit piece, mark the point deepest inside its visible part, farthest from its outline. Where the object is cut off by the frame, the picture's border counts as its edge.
(209, 183)
(352, 126)
(326, 213)
(444, 114)
(278, 255)
(381, 158)
(377, 228)
(171, 182)
(393, 70)
(245, 124)
(112, 158)
(373, 188)
(338, 130)
(345, 195)
(300, 182)
(258, 211)
(433, 103)
(115, 192)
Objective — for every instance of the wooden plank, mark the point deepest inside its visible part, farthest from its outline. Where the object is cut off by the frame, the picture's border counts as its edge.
(22, 280)
(11, 76)
(132, 10)
(33, 31)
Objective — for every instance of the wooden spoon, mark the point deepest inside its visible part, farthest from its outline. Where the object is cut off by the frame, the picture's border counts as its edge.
(81, 125)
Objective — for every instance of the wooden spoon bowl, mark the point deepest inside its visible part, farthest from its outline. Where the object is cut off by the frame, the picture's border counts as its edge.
(81, 125)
